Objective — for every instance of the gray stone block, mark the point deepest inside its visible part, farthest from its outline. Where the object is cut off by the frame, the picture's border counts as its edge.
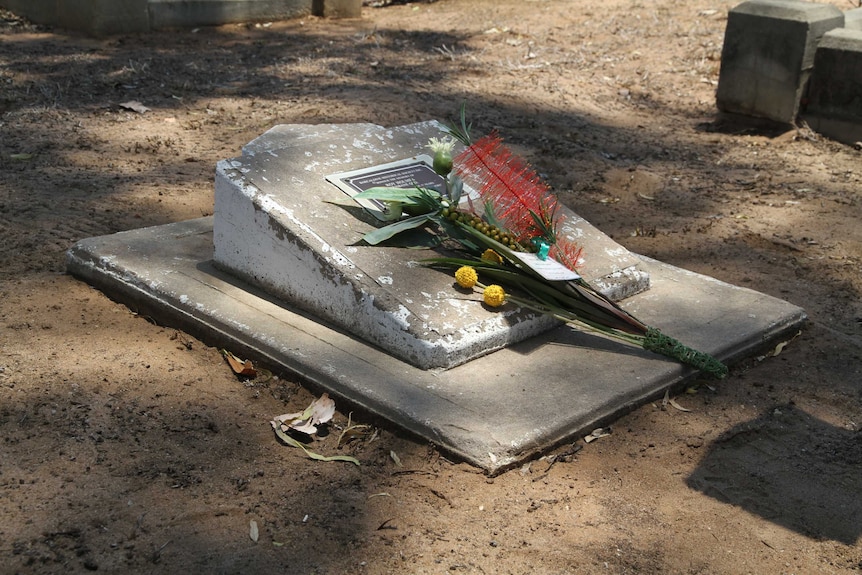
(106, 17)
(853, 19)
(768, 54)
(186, 13)
(93, 17)
(835, 90)
(337, 8)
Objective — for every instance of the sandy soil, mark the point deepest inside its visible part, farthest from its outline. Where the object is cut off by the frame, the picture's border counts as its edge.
(131, 447)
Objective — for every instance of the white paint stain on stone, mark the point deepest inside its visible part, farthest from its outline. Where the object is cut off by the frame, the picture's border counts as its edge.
(402, 315)
(365, 144)
(619, 252)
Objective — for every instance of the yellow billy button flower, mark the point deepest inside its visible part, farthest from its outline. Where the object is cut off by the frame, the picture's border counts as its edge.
(491, 256)
(466, 277)
(494, 295)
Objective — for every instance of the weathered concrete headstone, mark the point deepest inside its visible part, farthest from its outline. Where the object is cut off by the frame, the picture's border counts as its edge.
(768, 54)
(281, 225)
(835, 91)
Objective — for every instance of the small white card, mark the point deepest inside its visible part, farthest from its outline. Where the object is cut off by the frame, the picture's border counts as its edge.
(550, 269)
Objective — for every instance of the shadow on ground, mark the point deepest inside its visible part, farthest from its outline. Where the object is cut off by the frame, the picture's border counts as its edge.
(792, 469)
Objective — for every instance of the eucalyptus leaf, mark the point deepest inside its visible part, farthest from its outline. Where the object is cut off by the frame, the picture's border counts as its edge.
(419, 239)
(313, 455)
(455, 186)
(491, 215)
(320, 411)
(382, 234)
(412, 196)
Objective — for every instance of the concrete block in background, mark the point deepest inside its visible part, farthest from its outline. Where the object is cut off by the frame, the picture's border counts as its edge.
(189, 13)
(93, 17)
(853, 19)
(768, 53)
(337, 8)
(835, 89)
(106, 17)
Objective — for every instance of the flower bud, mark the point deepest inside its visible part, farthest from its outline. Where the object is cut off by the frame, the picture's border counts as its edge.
(443, 162)
(442, 149)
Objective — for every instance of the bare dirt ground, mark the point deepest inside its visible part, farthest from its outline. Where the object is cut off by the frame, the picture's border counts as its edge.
(131, 447)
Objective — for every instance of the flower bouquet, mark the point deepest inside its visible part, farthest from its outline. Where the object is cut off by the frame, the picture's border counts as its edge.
(507, 242)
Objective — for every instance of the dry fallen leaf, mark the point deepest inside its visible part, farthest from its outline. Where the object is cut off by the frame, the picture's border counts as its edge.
(242, 367)
(288, 440)
(135, 106)
(358, 431)
(320, 411)
(780, 347)
(675, 405)
(597, 433)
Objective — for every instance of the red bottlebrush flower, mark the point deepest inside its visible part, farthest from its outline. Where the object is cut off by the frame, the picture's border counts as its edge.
(521, 201)
(508, 183)
(567, 253)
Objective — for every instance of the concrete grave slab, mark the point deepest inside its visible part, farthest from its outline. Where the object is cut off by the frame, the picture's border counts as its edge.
(835, 91)
(768, 54)
(283, 227)
(281, 231)
(495, 411)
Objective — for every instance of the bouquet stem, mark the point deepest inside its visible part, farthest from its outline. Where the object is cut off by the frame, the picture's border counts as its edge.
(589, 310)
(657, 342)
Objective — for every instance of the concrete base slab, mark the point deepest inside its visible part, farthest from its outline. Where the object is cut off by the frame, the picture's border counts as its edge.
(495, 411)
